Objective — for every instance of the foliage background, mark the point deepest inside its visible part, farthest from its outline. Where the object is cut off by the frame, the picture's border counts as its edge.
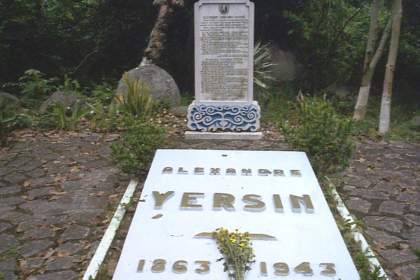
(96, 40)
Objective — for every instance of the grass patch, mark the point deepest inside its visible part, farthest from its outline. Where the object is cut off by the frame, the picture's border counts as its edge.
(135, 150)
(186, 99)
(401, 127)
(102, 274)
(366, 273)
(277, 105)
(12, 252)
(417, 253)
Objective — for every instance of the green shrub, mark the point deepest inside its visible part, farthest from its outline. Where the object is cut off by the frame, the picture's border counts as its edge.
(328, 37)
(318, 130)
(9, 121)
(70, 85)
(5, 128)
(101, 117)
(134, 151)
(63, 118)
(136, 100)
(109, 118)
(103, 93)
(35, 87)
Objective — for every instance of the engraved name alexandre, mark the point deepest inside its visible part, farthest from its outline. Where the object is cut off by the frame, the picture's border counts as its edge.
(231, 171)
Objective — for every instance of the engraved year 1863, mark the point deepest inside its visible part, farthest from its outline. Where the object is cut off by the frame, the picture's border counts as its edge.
(203, 267)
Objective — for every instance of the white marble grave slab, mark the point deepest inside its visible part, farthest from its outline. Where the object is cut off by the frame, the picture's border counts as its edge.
(301, 234)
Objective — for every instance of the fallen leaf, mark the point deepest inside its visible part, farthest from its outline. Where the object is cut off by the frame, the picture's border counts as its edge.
(75, 169)
(63, 254)
(57, 193)
(48, 254)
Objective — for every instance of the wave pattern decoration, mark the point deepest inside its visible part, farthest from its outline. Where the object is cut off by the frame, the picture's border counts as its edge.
(234, 118)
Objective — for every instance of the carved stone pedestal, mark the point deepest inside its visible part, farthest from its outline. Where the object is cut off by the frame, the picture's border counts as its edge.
(231, 118)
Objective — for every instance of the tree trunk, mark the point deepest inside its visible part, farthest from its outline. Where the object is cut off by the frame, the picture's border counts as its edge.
(373, 32)
(385, 113)
(362, 98)
(157, 39)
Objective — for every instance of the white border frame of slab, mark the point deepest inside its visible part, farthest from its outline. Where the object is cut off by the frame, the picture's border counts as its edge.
(356, 234)
(197, 135)
(106, 241)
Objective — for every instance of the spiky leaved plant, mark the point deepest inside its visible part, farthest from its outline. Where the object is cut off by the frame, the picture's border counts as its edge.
(136, 99)
(263, 68)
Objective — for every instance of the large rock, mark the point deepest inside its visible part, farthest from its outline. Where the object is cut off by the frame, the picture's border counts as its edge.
(68, 99)
(341, 92)
(162, 86)
(8, 101)
(344, 92)
(285, 67)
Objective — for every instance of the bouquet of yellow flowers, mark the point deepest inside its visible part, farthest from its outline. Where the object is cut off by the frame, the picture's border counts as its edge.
(236, 250)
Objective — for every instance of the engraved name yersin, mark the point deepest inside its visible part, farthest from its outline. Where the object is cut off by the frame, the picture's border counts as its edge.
(226, 201)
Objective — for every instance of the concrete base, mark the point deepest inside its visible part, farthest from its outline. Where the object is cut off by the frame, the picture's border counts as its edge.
(195, 135)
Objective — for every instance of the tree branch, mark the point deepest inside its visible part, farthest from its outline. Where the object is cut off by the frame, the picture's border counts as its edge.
(84, 60)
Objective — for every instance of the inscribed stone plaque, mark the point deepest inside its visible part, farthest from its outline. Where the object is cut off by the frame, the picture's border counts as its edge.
(224, 50)
(274, 196)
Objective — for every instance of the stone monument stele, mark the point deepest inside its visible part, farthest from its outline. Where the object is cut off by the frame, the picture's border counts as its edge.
(224, 56)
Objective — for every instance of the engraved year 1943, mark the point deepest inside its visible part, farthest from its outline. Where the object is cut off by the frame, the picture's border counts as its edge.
(204, 267)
